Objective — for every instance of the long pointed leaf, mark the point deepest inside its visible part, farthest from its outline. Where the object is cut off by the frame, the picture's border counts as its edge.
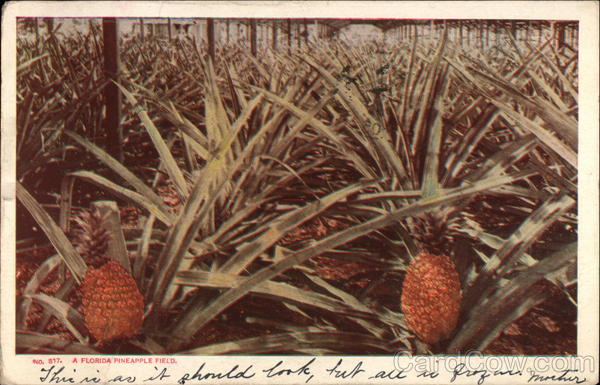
(65, 249)
(111, 162)
(165, 155)
(193, 322)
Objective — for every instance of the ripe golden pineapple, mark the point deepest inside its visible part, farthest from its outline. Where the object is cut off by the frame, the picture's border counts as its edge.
(431, 291)
(113, 306)
(91, 238)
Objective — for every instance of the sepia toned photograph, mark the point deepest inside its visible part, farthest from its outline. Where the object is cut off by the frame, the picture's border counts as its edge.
(294, 186)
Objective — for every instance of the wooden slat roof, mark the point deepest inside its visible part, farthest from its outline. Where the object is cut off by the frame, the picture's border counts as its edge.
(388, 24)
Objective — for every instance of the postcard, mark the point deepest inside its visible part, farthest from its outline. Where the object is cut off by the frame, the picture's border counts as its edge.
(300, 192)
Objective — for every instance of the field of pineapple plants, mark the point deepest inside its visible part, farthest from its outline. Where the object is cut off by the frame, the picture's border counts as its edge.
(418, 195)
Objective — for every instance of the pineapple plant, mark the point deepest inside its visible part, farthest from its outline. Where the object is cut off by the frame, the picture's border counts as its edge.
(261, 153)
(112, 305)
(431, 291)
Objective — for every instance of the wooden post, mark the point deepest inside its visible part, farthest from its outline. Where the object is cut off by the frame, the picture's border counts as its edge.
(227, 30)
(210, 36)
(468, 35)
(560, 35)
(305, 33)
(142, 27)
(460, 32)
(36, 28)
(112, 96)
(274, 36)
(253, 36)
(487, 34)
(49, 25)
(298, 37)
(289, 35)
(169, 26)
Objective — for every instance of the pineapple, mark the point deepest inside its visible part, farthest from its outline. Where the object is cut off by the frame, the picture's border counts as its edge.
(113, 306)
(431, 291)
(91, 238)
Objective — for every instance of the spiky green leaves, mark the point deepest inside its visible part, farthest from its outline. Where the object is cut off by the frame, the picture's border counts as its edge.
(435, 231)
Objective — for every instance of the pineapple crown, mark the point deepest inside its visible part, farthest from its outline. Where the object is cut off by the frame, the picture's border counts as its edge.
(91, 237)
(435, 231)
